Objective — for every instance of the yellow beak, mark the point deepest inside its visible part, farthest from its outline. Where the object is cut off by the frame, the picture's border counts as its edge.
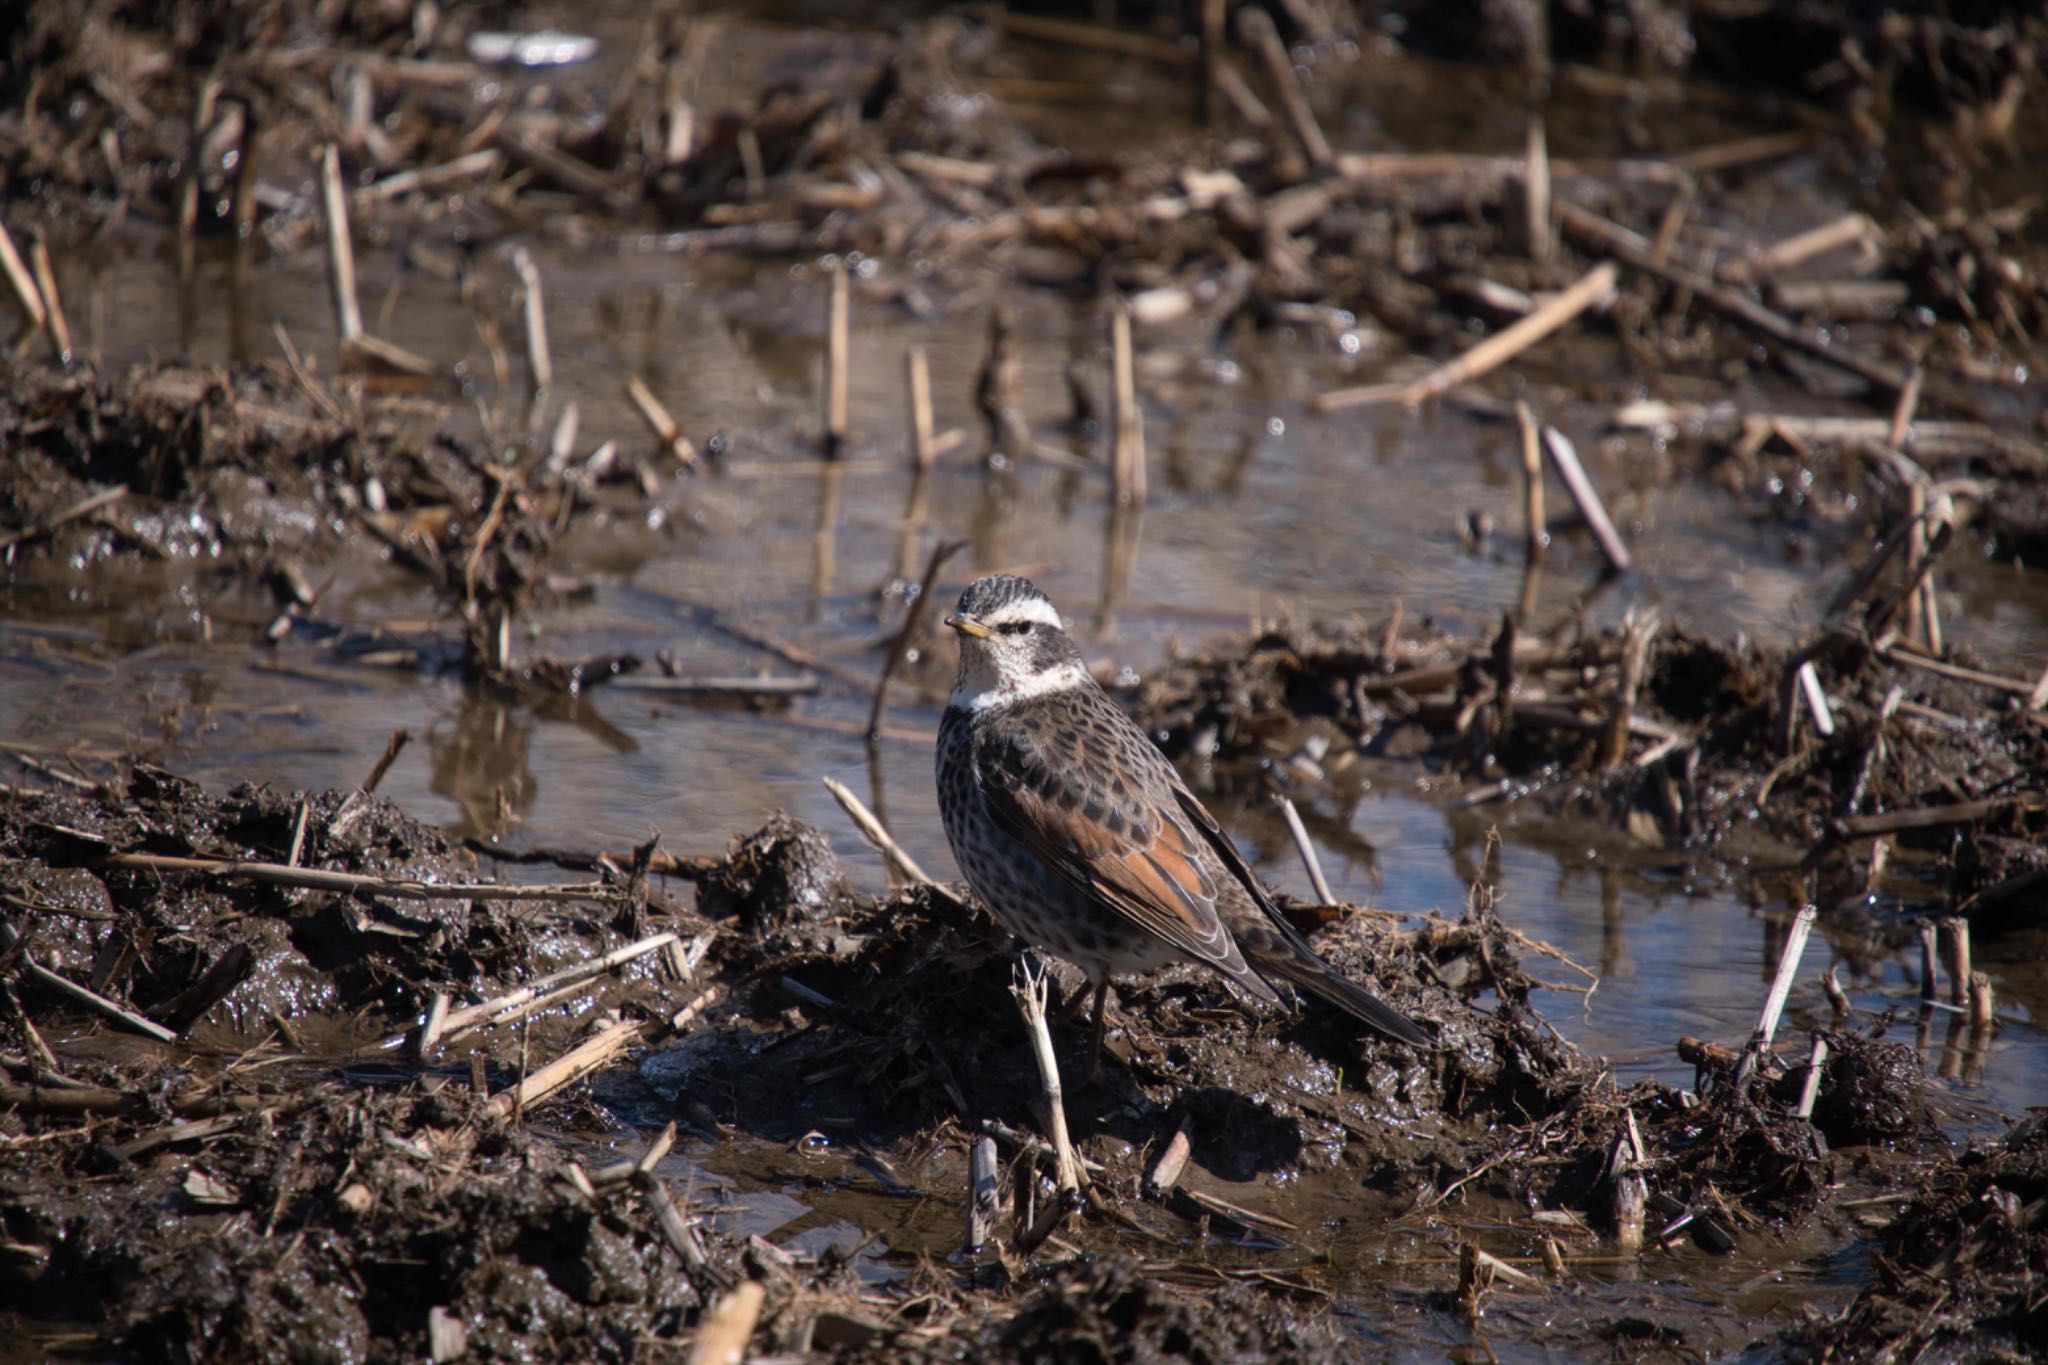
(967, 625)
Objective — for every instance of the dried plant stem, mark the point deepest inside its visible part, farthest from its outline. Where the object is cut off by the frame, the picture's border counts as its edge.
(341, 255)
(836, 361)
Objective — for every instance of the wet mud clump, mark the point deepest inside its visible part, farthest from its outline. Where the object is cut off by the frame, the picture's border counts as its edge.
(1958, 1271)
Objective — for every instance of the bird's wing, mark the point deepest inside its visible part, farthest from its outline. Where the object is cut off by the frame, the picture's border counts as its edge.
(1136, 853)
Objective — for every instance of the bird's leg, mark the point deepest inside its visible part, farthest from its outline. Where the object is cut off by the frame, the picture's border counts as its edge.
(1095, 1046)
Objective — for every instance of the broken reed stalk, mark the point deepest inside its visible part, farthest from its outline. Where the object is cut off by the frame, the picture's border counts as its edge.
(728, 1326)
(567, 1069)
(1306, 848)
(1838, 999)
(1029, 988)
(1564, 458)
(1631, 1195)
(1166, 1171)
(1799, 249)
(836, 360)
(1127, 464)
(1796, 935)
(1640, 632)
(25, 292)
(85, 996)
(1536, 541)
(913, 620)
(1806, 678)
(1809, 1089)
(918, 379)
(1953, 934)
(1930, 955)
(1983, 1005)
(1541, 237)
(871, 830)
(1255, 27)
(46, 284)
(461, 1020)
(540, 365)
(341, 255)
(1595, 289)
(984, 1194)
(355, 883)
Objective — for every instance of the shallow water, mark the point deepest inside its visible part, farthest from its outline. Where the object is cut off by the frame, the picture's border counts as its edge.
(1258, 506)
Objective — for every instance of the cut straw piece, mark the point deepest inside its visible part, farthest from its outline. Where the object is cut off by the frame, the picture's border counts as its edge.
(25, 292)
(341, 256)
(1564, 458)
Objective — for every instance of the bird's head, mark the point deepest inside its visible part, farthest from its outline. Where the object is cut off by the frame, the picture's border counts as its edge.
(1012, 645)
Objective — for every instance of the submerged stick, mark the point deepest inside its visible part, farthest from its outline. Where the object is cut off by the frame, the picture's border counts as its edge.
(1564, 458)
(660, 423)
(836, 361)
(1594, 289)
(1307, 849)
(341, 255)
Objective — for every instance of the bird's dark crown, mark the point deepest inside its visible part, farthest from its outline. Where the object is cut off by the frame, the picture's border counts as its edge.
(986, 598)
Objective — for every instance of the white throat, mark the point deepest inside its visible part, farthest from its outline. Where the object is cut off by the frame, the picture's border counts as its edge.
(968, 697)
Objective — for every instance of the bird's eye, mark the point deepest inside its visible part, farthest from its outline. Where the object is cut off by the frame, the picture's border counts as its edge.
(1015, 627)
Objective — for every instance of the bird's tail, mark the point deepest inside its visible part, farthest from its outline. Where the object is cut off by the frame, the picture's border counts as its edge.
(1273, 956)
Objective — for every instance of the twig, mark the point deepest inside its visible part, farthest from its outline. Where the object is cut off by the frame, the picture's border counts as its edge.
(567, 1069)
(540, 365)
(431, 177)
(341, 256)
(1800, 248)
(1166, 1171)
(1094, 36)
(354, 883)
(85, 506)
(913, 619)
(871, 830)
(1594, 289)
(481, 1015)
(399, 738)
(1927, 817)
(728, 1326)
(836, 341)
(1029, 988)
(1305, 848)
(1640, 631)
(1255, 27)
(46, 284)
(1774, 1003)
(1127, 418)
(704, 1000)
(1564, 458)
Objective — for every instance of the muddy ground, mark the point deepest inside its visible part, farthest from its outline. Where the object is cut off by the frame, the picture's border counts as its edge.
(259, 1102)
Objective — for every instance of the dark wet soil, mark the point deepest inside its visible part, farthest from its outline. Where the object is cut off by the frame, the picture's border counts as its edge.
(251, 1108)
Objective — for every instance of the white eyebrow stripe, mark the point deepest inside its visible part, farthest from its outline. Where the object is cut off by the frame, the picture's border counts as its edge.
(1035, 609)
